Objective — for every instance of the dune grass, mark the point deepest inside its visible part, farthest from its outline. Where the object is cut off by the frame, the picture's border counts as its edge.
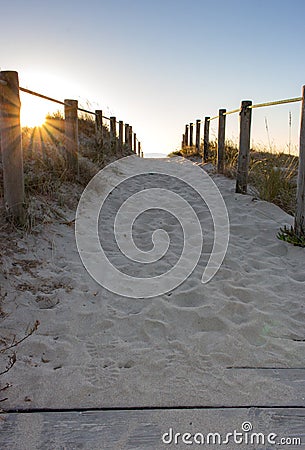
(272, 176)
(46, 178)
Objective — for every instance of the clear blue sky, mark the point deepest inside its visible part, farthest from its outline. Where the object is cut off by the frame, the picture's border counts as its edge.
(161, 64)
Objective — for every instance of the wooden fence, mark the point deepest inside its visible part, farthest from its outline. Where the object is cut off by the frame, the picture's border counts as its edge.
(245, 115)
(11, 142)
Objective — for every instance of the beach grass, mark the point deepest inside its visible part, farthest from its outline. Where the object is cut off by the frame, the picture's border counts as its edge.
(46, 178)
(272, 175)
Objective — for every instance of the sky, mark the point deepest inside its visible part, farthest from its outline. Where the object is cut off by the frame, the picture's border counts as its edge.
(161, 64)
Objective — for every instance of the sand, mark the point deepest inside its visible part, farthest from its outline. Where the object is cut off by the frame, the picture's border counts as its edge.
(94, 348)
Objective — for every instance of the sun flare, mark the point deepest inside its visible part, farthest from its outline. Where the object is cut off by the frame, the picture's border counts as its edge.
(33, 111)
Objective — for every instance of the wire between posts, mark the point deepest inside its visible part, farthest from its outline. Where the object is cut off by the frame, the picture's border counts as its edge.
(88, 112)
(41, 96)
(277, 102)
(259, 105)
(45, 97)
(213, 118)
(54, 100)
(232, 112)
(224, 114)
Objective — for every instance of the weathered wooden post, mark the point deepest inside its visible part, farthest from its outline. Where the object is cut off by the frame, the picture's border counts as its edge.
(130, 137)
(198, 122)
(135, 142)
(244, 147)
(127, 134)
(121, 127)
(99, 126)
(299, 221)
(113, 133)
(186, 136)
(206, 138)
(221, 140)
(191, 134)
(71, 135)
(183, 141)
(139, 149)
(11, 146)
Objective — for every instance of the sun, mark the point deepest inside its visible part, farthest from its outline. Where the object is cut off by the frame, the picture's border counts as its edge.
(33, 111)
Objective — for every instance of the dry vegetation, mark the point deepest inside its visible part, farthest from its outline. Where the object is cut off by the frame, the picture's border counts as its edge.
(49, 187)
(272, 176)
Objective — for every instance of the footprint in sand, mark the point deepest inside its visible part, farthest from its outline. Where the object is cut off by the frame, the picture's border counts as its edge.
(103, 374)
(100, 371)
(45, 301)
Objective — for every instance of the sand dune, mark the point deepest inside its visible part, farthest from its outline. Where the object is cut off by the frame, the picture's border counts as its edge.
(96, 349)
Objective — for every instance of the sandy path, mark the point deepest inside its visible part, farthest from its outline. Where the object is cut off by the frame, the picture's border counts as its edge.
(96, 349)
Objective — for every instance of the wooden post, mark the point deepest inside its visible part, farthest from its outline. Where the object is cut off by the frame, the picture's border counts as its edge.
(121, 127)
(71, 134)
(198, 122)
(135, 142)
(206, 138)
(221, 140)
(244, 147)
(191, 134)
(183, 141)
(11, 146)
(126, 134)
(139, 148)
(130, 137)
(99, 126)
(113, 133)
(299, 221)
(186, 135)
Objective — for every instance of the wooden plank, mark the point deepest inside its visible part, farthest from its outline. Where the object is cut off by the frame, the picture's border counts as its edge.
(130, 137)
(299, 223)
(12, 157)
(135, 142)
(113, 133)
(71, 134)
(121, 127)
(191, 134)
(221, 140)
(244, 147)
(183, 141)
(99, 126)
(217, 387)
(206, 138)
(154, 429)
(198, 122)
(127, 134)
(186, 136)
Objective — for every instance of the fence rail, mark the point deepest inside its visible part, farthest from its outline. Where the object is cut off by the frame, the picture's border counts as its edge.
(245, 116)
(11, 142)
(54, 100)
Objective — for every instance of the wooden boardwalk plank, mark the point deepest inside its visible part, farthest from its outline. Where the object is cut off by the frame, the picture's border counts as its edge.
(238, 387)
(143, 429)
